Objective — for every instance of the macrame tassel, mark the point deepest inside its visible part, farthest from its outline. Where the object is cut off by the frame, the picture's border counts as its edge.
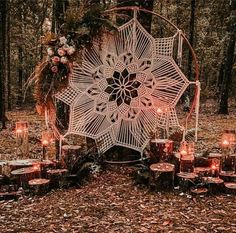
(180, 48)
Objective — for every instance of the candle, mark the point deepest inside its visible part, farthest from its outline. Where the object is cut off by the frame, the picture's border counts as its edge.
(47, 139)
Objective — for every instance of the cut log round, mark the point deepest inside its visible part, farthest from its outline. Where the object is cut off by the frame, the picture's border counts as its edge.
(70, 154)
(203, 171)
(230, 187)
(56, 177)
(161, 176)
(214, 184)
(161, 150)
(186, 180)
(39, 186)
(228, 176)
(199, 191)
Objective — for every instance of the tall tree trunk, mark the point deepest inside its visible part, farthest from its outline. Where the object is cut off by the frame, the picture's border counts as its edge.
(3, 14)
(191, 36)
(59, 9)
(228, 61)
(20, 76)
(8, 60)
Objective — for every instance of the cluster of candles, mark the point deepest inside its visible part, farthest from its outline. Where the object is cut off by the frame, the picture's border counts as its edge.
(22, 129)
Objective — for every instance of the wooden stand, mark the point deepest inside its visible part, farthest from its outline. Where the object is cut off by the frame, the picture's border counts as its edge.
(230, 188)
(70, 154)
(161, 150)
(39, 186)
(214, 184)
(23, 175)
(161, 176)
(186, 180)
(228, 176)
(56, 177)
(203, 171)
(199, 191)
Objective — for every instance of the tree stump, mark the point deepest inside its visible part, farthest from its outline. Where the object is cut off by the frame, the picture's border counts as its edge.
(230, 187)
(203, 171)
(228, 176)
(161, 176)
(161, 150)
(198, 191)
(70, 154)
(186, 180)
(23, 175)
(214, 184)
(57, 177)
(39, 186)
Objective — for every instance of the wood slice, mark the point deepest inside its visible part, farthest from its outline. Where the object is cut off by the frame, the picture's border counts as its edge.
(186, 180)
(203, 171)
(57, 177)
(199, 191)
(161, 176)
(215, 184)
(230, 187)
(70, 154)
(161, 150)
(228, 176)
(39, 186)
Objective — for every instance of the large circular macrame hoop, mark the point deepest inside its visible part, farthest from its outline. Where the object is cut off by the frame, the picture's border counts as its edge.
(127, 86)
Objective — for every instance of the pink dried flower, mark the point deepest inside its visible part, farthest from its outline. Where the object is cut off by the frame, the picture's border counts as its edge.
(54, 69)
(55, 60)
(61, 52)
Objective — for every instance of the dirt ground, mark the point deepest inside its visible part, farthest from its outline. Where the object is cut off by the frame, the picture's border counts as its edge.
(110, 201)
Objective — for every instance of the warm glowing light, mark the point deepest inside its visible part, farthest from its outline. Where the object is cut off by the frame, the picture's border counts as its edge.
(183, 152)
(36, 167)
(45, 142)
(213, 167)
(225, 142)
(19, 131)
(159, 110)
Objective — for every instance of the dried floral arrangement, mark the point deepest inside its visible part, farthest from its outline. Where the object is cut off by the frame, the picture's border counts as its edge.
(82, 24)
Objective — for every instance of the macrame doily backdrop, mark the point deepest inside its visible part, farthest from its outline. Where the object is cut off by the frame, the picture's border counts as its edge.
(125, 87)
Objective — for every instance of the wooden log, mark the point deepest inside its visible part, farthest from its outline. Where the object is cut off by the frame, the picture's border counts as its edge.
(161, 150)
(228, 176)
(57, 177)
(161, 176)
(70, 154)
(187, 164)
(230, 187)
(186, 180)
(39, 186)
(23, 175)
(229, 163)
(203, 171)
(199, 191)
(214, 184)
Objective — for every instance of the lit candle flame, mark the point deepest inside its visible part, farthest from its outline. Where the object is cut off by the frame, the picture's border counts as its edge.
(45, 142)
(213, 167)
(225, 142)
(159, 110)
(19, 131)
(183, 152)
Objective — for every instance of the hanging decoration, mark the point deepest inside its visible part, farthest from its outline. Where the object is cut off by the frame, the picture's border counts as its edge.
(124, 88)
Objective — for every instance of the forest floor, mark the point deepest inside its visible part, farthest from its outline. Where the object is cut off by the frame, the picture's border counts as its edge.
(110, 201)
